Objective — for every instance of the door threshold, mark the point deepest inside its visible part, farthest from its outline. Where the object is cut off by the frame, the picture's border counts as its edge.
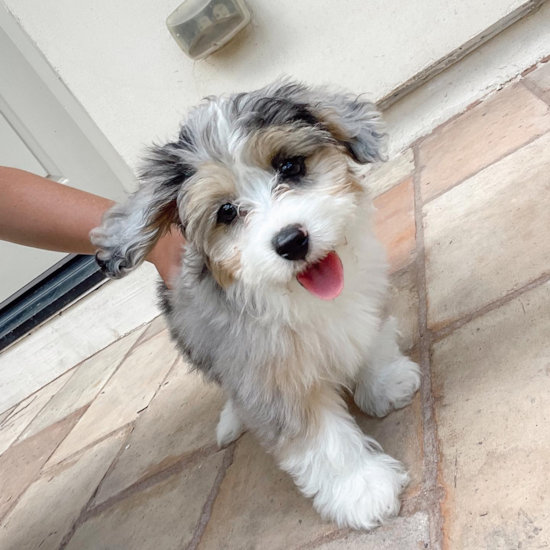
(38, 304)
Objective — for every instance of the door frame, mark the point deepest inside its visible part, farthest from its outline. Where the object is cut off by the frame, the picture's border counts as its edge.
(75, 275)
(48, 75)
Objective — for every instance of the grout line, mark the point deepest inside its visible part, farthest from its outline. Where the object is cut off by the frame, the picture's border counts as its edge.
(74, 367)
(15, 411)
(120, 428)
(77, 454)
(518, 80)
(374, 197)
(534, 89)
(536, 65)
(180, 465)
(489, 93)
(186, 462)
(403, 269)
(78, 414)
(438, 129)
(130, 350)
(67, 537)
(441, 333)
(85, 407)
(206, 513)
(88, 513)
(433, 489)
(89, 510)
(132, 425)
(476, 172)
(34, 394)
(18, 439)
(8, 413)
(410, 507)
(144, 338)
(430, 441)
(130, 428)
(335, 535)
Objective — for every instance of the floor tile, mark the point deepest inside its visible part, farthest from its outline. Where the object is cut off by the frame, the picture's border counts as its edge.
(5, 414)
(88, 326)
(49, 507)
(126, 394)
(395, 225)
(404, 306)
(181, 419)
(479, 137)
(384, 177)
(409, 533)
(155, 326)
(85, 384)
(491, 382)
(258, 506)
(21, 463)
(400, 434)
(541, 78)
(489, 235)
(162, 517)
(23, 414)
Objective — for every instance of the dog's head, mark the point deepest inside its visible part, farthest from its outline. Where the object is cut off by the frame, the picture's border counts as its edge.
(262, 184)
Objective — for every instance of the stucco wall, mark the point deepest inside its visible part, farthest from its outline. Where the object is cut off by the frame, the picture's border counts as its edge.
(120, 62)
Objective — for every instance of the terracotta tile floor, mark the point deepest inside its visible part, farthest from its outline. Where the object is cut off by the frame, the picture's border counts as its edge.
(119, 453)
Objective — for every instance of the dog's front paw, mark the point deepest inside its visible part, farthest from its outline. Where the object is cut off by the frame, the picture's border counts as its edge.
(393, 388)
(366, 497)
(230, 427)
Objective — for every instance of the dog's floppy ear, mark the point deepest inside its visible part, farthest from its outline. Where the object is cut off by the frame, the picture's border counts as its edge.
(354, 122)
(129, 230)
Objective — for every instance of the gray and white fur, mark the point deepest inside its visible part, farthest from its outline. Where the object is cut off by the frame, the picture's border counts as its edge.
(244, 169)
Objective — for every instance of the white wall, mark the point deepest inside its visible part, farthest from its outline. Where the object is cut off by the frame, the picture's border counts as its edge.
(481, 73)
(120, 62)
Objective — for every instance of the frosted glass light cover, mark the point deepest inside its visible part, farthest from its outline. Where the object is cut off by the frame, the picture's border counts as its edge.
(200, 27)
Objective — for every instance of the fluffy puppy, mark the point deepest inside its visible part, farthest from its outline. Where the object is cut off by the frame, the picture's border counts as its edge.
(282, 292)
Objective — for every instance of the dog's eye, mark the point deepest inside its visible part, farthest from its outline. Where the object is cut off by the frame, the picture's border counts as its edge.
(227, 213)
(291, 168)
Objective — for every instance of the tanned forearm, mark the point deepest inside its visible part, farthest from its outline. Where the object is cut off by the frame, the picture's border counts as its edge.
(44, 214)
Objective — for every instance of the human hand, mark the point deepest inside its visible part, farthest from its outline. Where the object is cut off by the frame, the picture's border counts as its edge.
(167, 254)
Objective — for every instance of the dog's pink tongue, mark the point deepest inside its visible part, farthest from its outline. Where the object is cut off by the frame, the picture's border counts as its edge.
(325, 279)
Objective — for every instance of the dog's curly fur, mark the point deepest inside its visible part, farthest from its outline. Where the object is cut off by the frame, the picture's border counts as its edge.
(237, 311)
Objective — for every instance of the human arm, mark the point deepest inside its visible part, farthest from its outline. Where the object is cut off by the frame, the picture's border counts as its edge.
(40, 213)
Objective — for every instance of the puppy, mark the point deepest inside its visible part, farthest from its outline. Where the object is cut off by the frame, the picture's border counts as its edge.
(283, 287)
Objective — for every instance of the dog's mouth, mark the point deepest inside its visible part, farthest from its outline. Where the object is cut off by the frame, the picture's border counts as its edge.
(325, 278)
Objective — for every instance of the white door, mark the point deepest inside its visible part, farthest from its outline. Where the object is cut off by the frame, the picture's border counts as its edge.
(38, 135)
(20, 264)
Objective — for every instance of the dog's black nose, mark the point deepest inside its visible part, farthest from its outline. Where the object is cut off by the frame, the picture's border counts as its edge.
(291, 243)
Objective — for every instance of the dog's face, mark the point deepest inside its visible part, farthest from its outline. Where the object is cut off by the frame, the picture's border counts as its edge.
(262, 183)
(272, 200)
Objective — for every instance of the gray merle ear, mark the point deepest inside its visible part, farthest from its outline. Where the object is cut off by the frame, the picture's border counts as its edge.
(355, 122)
(129, 230)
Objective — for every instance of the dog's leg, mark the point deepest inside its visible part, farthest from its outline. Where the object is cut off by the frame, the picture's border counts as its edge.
(230, 427)
(389, 380)
(350, 480)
